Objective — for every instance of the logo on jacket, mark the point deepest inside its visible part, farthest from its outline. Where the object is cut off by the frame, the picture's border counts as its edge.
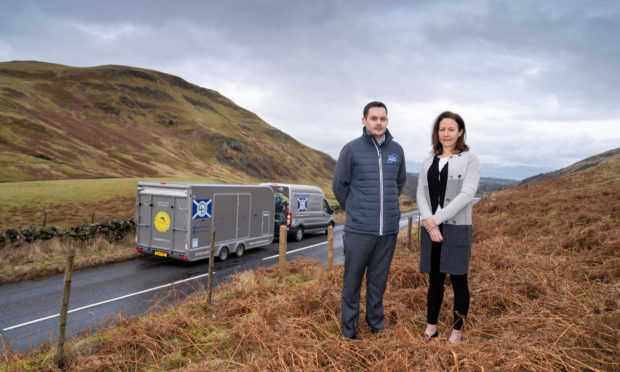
(392, 159)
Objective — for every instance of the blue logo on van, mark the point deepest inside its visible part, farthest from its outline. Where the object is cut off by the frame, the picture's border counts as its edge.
(392, 159)
(302, 204)
(201, 209)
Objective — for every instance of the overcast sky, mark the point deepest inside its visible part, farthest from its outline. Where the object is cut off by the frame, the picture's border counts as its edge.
(537, 82)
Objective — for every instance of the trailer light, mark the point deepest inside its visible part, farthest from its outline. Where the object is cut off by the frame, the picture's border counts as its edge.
(185, 247)
(183, 258)
(163, 183)
(288, 220)
(138, 249)
(136, 238)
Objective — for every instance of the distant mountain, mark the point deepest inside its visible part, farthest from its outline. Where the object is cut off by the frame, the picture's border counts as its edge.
(592, 161)
(61, 122)
(514, 172)
(487, 184)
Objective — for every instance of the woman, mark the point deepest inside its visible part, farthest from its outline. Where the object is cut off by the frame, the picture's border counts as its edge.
(447, 185)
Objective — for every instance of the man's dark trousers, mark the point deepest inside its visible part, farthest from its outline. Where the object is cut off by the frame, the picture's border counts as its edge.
(363, 252)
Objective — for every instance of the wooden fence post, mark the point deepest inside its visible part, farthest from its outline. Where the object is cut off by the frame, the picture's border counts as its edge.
(60, 353)
(282, 263)
(409, 223)
(211, 259)
(330, 247)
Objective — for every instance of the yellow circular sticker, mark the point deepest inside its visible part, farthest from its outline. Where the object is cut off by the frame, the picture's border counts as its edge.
(162, 222)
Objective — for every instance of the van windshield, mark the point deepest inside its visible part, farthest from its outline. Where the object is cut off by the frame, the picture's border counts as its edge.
(281, 194)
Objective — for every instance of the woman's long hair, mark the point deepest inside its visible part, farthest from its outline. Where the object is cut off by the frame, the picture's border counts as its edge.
(460, 145)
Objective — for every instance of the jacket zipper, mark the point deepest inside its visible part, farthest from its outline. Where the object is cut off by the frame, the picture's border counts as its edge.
(380, 189)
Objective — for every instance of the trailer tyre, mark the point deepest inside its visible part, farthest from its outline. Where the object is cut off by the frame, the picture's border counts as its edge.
(240, 250)
(223, 254)
(299, 233)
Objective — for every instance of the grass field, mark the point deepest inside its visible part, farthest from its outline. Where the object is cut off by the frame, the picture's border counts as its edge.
(43, 258)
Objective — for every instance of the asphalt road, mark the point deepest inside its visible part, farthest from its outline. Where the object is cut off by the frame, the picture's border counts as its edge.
(29, 310)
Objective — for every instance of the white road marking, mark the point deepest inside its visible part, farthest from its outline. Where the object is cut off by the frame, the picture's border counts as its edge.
(295, 250)
(104, 302)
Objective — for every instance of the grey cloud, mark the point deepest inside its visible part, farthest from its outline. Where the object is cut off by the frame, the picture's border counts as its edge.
(318, 62)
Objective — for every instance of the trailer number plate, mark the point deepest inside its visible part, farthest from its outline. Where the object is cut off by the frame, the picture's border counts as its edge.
(162, 254)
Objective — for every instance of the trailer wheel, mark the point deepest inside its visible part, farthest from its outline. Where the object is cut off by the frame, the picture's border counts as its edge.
(240, 250)
(223, 254)
(299, 233)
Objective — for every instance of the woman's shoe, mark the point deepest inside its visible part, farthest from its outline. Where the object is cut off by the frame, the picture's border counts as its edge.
(455, 337)
(428, 338)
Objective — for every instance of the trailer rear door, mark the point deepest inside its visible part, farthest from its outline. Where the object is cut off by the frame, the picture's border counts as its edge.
(162, 218)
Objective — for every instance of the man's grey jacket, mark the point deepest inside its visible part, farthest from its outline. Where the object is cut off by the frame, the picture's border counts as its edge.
(367, 182)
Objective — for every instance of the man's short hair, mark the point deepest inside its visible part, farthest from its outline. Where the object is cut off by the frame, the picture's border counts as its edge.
(374, 104)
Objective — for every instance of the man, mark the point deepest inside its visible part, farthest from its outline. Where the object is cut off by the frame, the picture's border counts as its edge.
(369, 177)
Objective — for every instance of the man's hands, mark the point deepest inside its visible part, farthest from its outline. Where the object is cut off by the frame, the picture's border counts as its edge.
(433, 229)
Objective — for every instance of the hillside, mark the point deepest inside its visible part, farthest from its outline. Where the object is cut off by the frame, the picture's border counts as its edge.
(586, 163)
(60, 122)
(544, 297)
(486, 185)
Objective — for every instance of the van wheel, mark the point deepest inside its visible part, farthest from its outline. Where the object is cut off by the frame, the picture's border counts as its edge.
(223, 254)
(299, 234)
(240, 250)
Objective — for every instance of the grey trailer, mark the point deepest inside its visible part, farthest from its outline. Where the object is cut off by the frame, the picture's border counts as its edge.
(175, 220)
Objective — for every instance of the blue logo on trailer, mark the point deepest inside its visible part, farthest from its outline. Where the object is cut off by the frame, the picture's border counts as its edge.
(201, 209)
(302, 204)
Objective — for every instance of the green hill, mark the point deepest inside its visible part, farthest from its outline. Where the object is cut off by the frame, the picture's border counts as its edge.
(60, 122)
(605, 157)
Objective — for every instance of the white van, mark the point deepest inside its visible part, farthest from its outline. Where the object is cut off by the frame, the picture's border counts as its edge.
(302, 208)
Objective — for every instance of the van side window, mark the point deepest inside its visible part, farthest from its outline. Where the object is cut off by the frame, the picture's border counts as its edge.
(326, 207)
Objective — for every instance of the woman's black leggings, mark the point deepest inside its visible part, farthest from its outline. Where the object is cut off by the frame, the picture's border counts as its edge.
(435, 292)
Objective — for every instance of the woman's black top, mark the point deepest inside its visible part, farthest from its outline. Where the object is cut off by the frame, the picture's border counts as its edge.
(437, 183)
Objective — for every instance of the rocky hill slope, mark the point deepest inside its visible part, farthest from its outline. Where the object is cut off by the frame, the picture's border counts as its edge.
(61, 122)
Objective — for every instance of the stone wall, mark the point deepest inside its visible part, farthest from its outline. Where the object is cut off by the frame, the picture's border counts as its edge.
(110, 230)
